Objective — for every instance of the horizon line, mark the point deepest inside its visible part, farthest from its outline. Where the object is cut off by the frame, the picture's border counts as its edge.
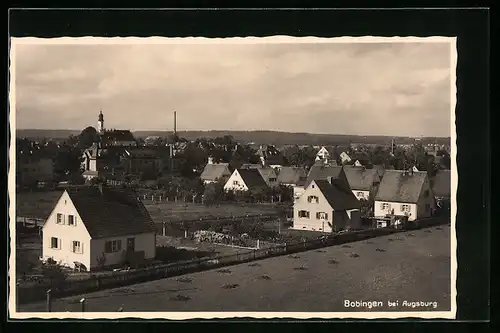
(250, 130)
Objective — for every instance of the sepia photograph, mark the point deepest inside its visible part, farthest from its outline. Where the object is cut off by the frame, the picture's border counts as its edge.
(256, 177)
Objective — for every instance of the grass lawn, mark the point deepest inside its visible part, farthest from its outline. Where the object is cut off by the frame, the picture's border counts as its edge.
(411, 266)
(40, 205)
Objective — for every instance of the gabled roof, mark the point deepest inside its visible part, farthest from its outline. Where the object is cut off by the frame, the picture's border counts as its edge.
(212, 172)
(322, 172)
(401, 186)
(292, 175)
(360, 178)
(441, 184)
(112, 212)
(337, 196)
(252, 178)
(266, 172)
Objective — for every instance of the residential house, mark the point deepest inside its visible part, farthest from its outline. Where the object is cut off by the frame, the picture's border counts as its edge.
(214, 172)
(363, 182)
(268, 174)
(326, 206)
(271, 157)
(441, 187)
(292, 176)
(327, 154)
(242, 180)
(404, 193)
(91, 227)
(323, 172)
(344, 158)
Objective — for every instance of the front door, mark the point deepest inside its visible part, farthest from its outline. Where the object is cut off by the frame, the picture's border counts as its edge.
(131, 244)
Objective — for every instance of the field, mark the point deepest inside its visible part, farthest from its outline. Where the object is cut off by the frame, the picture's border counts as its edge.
(410, 266)
(40, 204)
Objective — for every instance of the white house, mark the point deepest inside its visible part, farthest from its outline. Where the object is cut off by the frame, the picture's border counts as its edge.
(245, 180)
(404, 193)
(93, 227)
(326, 206)
(344, 157)
(362, 181)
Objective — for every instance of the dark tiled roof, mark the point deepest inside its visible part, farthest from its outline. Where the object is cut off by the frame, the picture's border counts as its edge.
(400, 186)
(292, 175)
(441, 184)
(214, 171)
(251, 166)
(337, 196)
(360, 178)
(252, 178)
(322, 172)
(112, 212)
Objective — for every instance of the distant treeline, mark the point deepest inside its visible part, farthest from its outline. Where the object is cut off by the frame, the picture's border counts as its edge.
(258, 137)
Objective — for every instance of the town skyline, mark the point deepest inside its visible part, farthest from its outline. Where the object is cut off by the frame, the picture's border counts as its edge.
(361, 89)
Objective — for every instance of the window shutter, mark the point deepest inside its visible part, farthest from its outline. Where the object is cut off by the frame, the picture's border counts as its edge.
(119, 245)
(326, 216)
(382, 206)
(402, 208)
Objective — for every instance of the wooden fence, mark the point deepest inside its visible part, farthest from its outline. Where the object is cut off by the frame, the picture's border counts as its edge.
(118, 279)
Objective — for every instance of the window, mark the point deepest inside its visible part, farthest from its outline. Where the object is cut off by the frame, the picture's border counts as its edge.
(71, 220)
(384, 206)
(60, 218)
(77, 247)
(312, 199)
(272, 179)
(321, 216)
(304, 214)
(360, 194)
(235, 182)
(113, 246)
(405, 208)
(55, 243)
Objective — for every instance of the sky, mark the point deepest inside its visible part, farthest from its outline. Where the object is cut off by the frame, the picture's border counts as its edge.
(395, 89)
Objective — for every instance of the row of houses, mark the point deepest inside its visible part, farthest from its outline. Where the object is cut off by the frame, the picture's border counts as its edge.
(331, 198)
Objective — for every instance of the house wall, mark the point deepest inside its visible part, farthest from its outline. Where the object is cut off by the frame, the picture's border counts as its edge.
(378, 211)
(426, 201)
(93, 165)
(312, 223)
(344, 157)
(361, 194)
(66, 234)
(354, 218)
(297, 191)
(143, 242)
(232, 186)
(270, 177)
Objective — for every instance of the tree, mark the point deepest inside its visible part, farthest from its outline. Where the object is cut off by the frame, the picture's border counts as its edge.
(213, 193)
(87, 137)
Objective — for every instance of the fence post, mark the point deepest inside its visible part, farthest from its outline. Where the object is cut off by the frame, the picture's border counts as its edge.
(82, 303)
(258, 243)
(254, 254)
(49, 300)
(164, 231)
(144, 197)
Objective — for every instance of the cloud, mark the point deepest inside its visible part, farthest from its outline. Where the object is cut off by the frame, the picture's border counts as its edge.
(380, 88)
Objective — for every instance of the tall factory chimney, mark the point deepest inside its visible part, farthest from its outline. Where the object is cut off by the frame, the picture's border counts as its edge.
(175, 123)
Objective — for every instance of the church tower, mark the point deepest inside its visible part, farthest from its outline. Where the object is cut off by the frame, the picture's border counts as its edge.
(100, 123)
